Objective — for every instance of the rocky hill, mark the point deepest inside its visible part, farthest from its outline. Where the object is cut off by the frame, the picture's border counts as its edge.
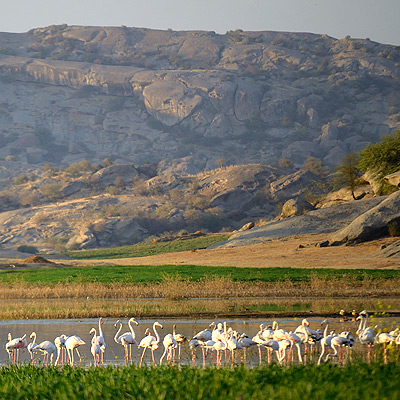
(69, 93)
(109, 135)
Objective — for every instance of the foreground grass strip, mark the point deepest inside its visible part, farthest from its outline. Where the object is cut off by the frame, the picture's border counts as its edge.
(151, 274)
(149, 249)
(357, 381)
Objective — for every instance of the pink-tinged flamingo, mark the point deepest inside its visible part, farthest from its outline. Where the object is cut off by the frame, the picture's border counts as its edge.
(13, 346)
(72, 343)
(127, 338)
(219, 346)
(150, 342)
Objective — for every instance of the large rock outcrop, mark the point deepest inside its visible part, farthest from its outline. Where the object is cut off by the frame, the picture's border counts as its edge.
(69, 93)
(373, 224)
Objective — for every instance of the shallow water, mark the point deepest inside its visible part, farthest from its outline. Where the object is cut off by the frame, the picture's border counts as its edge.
(114, 354)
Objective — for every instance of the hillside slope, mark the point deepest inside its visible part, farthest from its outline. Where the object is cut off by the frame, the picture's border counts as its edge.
(69, 93)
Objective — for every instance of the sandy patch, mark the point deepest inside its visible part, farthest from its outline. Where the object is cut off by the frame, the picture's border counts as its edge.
(275, 253)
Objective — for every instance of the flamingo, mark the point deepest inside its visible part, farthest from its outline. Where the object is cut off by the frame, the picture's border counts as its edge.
(32, 347)
(127, 338)
(304, 328)
(169, 343)
(73, 342)
(46, 347)
(193, 345)
(219, 345)
(337, 342)
(246, 343)
(205, 334)
(13, 346)
(59, 342)
(217, 332)
(284, 344)
(365, 334)
(151, 342)
(100, 340)
(95, 348)
(326, 342)
(385, 339)
(232, 343)
(180, 339)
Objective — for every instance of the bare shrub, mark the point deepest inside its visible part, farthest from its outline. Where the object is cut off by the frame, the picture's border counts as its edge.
(52, 190)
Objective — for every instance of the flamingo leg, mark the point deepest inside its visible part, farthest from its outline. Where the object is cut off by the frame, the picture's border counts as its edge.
(141, 359)
(152, 355)
(80, 358)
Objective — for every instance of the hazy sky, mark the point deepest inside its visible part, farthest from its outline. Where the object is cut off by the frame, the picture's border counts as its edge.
(375, 19)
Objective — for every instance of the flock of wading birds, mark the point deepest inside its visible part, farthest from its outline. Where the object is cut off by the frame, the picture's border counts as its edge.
(217, 340)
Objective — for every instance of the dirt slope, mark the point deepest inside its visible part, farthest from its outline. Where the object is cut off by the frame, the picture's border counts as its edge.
(277, 253)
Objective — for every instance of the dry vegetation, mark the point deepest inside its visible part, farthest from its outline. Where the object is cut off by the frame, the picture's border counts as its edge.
(187, 298)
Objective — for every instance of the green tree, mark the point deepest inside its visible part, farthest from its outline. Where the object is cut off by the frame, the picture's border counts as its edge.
(381, 159)
(348, 174)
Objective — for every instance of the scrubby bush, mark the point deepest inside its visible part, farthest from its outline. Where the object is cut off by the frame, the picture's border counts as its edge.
(394, 228)
(52, 190)
(20, 179)
(28, 249)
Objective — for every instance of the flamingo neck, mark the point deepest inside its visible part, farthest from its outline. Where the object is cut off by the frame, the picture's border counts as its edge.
(131, 329)
(156, 333)
(116, 335)
(100, 330)
(326, 330)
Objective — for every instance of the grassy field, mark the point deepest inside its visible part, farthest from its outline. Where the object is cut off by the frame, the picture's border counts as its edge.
(149, 249)
(354, 381)
(192, 291)
(151, 274)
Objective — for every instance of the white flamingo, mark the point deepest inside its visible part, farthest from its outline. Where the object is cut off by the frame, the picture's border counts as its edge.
(100, 340)
(384, 339)
(180, 339)
(365, 334)
(205, 334)
(32, 346)
(73, 342)
(150, 342)
(46, 347)
(246, 343)
(219, 346)
(170, 344)
(59, 342)
(95, 348)
(127, 339)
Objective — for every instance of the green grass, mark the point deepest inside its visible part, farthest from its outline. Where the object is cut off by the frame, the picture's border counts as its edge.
(354, 381)
(149, 249)
(151, 273)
